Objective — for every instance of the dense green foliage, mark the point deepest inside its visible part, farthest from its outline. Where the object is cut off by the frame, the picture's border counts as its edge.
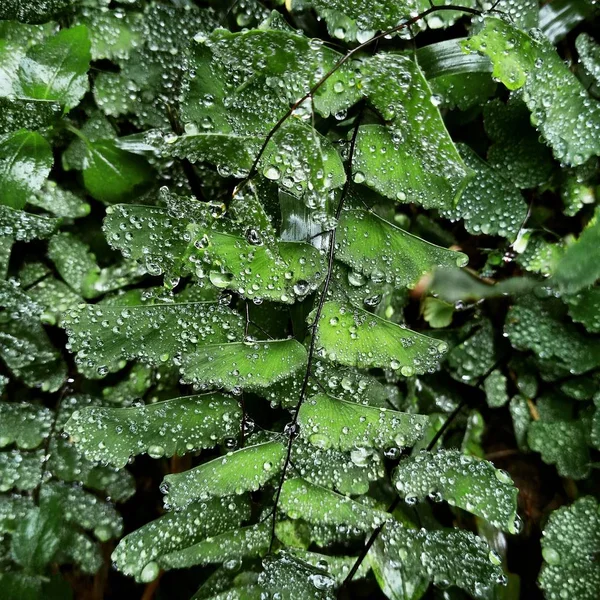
(290, 292)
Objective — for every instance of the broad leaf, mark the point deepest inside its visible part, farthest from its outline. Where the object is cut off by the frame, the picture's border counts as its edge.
(21, 471)
(354, 337)
(25, 347)
(589, 54)
(177, 426)
(25, 162)
(495, 389)
(490, 204)
(104, 336)
(57, 68)
(578, 266)
(571, 456)
(326, 422)
(75, 263)
(446, 557)
(243, 365)
(379, 250)
(413, 158)
(137, 553)
(516, 150)
(83, 509)
(25, 113)
(33, 12)
(348, 473)
(228, 547)
(536, 325)
(359, 19)
(463, 481)
(457, 80)
(111, 174)
(584, 308)
(244, 470)
(302, 500)
(24, 424)
(570, 546)
(289, 578)
(561, 109)
(23, 226)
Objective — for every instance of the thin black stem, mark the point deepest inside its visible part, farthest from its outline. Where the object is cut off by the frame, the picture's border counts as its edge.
(311, 349)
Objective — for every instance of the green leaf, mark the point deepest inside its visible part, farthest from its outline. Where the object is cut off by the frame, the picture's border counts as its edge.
(349, 473)
(255, 271)
(570, 545)
(57, 68)
(300, 499)
(83, 509)
(456, 79)
(584, 308)
(176, 426)
(23, 226)
(149, 80)
(228, 547)
(59, 201)
(326, 422)
(293, 579)
(33, 12)
(490, 204)
(103, 336)
(495, 389)
(243, 365)
(463, 481)
(379, 250)
(184, 239)
(446, 557)
(137, 553)
(536, 325)
(113, 33)
(561, 109)
(68, 464)
(247, 469)
(561, 16)
(413, 158)
(26, 113)
(589, 54)
(25, 347)
(37, 537)
(56, 297)
(75, 263)
(111, 174)
(578, 266)
(571, 455)
(359, 19)
(521, 418)
(21, 470)
(455, 285)
(516, 150)
(354, 337)
(24, 424)
(25, 162)
(437, 312)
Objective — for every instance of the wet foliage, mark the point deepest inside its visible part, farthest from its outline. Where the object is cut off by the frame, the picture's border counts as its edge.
(298, 299)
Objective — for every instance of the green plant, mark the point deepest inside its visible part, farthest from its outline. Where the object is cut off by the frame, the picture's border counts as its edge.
(237, 238)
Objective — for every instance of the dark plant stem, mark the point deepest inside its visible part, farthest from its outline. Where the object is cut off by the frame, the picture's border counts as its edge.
(311, 349)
